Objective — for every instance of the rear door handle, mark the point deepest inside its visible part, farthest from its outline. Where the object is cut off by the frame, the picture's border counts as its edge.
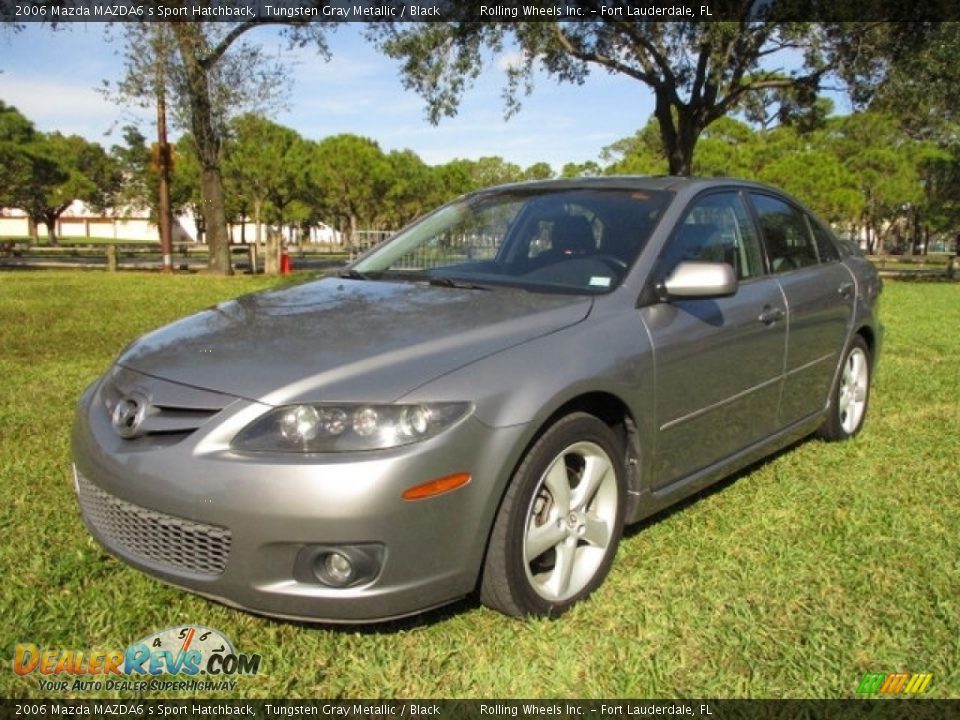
(845, 289)
(770, 315)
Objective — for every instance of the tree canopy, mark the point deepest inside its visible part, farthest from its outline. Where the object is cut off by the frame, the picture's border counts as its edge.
(698, 71)
(266, 167)
(211, 73)
(44, 173)
(860, 172)
(723, 105)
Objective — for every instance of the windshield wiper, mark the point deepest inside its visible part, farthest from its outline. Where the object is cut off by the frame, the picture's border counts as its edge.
(451, 283)
(351, 274)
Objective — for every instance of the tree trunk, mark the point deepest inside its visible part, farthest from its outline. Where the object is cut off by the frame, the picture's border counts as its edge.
(678, 133)
(50, 220)
(917, 232)
(192, 47)
(681, 159)
(215, 221)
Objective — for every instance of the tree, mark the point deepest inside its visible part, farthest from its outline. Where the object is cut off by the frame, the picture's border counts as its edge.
(16, 133)
(455, 178)
(413, 189)
(941, 185)
(212, 73)
(265, 163)
(698, 71)
(908, 69)
(350, 176)
(57, 170)
(800, 163)
(813, 174)
(538, 171)
(494, 170)
(728, 147)
(585, 169)
(640, 154)
(884, 165)
(139, 182)
(796, 105)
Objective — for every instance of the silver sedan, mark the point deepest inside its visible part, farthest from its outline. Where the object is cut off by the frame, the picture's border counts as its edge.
(480, 404)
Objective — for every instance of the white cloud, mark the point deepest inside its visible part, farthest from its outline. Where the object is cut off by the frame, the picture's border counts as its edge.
(51, 77)
(510, 60)
(69, 107)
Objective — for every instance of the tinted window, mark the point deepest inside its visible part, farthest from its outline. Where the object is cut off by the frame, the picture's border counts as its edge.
(717, 228)
(571, 232)
(825, 246)
(786, 234)
(550, 240)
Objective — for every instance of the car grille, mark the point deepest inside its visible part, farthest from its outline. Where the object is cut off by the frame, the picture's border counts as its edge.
(173, 542)
(173, 410)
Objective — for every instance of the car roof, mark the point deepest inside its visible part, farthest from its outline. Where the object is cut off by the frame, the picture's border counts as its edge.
(672, 183)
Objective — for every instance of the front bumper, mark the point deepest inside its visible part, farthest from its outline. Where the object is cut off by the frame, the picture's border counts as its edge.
(230, 526)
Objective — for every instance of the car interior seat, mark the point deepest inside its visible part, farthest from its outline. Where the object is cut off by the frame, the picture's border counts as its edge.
(572, 235)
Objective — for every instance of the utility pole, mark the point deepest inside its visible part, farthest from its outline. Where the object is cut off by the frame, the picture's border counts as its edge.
(164, 160)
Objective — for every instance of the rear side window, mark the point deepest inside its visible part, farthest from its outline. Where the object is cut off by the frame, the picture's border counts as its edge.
(786, 234)
(826, 248)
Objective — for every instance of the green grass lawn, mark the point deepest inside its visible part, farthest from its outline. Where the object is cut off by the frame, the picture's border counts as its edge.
(792, 580)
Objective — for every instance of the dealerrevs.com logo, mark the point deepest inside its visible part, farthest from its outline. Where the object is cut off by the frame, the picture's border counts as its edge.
(201, 657)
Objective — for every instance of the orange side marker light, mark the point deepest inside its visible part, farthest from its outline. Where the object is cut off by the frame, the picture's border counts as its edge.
(436, 487)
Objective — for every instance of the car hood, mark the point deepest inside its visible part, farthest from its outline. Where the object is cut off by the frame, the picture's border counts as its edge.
(338, 340)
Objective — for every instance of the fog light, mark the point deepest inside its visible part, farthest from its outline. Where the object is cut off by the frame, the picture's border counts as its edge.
(337, 569)
(339, 566)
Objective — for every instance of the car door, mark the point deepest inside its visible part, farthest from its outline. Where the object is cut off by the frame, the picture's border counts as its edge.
(719, 361)
(819, 292)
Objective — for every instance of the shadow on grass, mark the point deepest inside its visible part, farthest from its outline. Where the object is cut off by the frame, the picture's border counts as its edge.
(714, 488)
(426, 618)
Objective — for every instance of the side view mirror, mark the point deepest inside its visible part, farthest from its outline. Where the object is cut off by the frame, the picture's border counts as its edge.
(700, 280)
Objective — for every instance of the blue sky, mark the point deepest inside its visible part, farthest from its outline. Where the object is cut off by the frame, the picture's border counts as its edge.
(51, 77)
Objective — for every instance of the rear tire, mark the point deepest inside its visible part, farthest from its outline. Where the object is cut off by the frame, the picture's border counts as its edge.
(851, 394)
(560, 521)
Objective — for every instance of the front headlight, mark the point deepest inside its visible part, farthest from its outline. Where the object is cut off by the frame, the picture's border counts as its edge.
(345, 428)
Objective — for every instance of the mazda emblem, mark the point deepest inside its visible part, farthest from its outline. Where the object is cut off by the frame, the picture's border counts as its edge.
(128, 416)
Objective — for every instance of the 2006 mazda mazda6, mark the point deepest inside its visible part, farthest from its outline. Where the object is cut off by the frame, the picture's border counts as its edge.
(480, 403)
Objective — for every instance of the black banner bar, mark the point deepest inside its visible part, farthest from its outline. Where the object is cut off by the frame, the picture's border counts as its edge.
(63, 11)
(892, 709)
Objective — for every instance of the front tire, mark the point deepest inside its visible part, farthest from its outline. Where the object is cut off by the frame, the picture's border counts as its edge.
(560, 522)
(848, 405)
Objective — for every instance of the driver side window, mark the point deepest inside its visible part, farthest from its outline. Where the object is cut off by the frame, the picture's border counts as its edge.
(716, 228)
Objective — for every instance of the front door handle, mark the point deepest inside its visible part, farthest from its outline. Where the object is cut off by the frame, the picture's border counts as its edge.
(770, 315)
(845, 289)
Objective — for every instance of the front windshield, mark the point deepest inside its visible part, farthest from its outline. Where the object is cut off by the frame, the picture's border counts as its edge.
(545, 240)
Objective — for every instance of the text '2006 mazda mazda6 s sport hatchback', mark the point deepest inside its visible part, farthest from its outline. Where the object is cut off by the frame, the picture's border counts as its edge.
(480, 403)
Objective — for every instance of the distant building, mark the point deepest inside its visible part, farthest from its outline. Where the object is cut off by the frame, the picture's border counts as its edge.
(78, 221)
